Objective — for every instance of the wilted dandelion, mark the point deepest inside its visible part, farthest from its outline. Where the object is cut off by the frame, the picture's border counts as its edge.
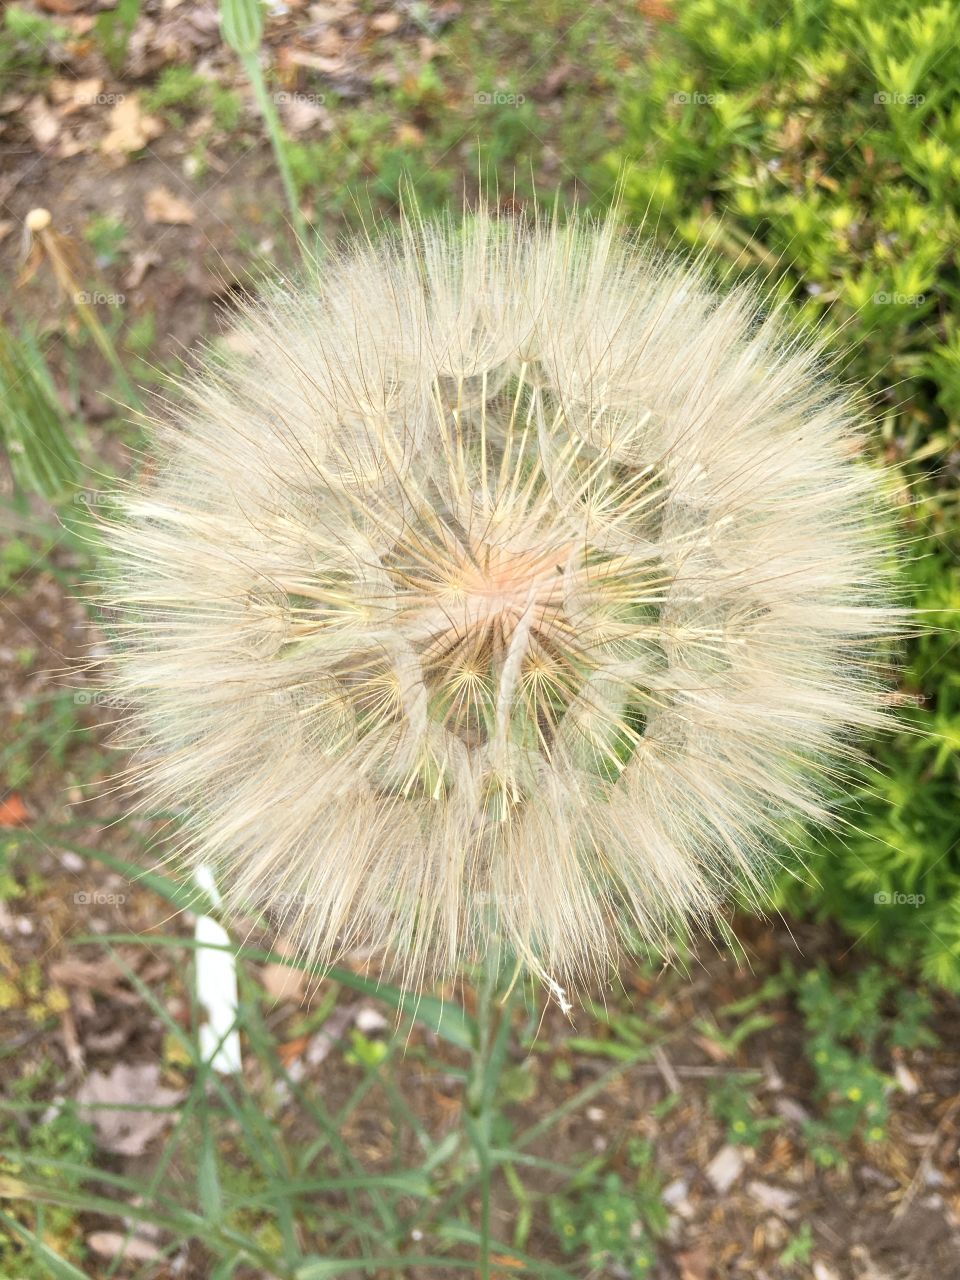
(507, 580)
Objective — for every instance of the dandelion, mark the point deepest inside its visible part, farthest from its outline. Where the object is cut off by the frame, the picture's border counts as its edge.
(509, 580)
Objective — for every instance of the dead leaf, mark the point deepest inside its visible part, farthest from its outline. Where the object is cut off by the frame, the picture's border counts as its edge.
(282, 982)
(408, 135)
(128, 1132)
(290, 1050)
(557, 79)
(13, 812)
(385, 23)
(74, 95)
(775, 1199)
(906, 1079)
(11, 102)
(161, 205)
(725, 1168)
(111, 1244)
(328, 66)
(712, 1048)
(41, 121)
(301, 112)
(694, 1264)
(60, 6)
(130, 130)
(87, 975)
(72, 147)
(140, 264)
(71, 1041)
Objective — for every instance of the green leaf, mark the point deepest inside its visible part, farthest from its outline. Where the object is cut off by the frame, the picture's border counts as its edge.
(186, 897)
(447, 1020)
(58, 1267)
(41, 454)
(208, 1179)
(241, 22)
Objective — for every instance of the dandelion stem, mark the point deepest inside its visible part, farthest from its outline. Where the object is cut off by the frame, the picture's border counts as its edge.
(265, 104)
(493, 1033)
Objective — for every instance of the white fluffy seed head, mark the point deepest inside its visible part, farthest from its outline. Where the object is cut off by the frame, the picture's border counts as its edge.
(507, 581)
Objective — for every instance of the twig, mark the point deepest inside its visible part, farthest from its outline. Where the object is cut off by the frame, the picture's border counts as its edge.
(925, 1161)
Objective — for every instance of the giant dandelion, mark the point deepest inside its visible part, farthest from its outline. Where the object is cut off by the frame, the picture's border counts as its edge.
(508, 580)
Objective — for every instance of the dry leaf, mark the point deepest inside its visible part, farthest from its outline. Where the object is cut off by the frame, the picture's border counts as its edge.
(41, 121)
(13, 811)
(130, 130)
(60, 6)
(111, 1244)
(90, 975)
(774, 1199)
(283, 982)
(694, 1264)
(126, 1133)
(712, 1048)
(725, 1168)
(408, 135)
(74, 95)
(161, 205)
(300, 113)
(385, 23)
(11, 102)
(70, 146)
(140, 264)
(290, 1050)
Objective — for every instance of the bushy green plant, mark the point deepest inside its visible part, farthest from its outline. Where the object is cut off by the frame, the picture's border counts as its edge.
(25, 39)
(181, 89)
(612, 1220)
(850, 1025)
(816, 146)
(735, 1105)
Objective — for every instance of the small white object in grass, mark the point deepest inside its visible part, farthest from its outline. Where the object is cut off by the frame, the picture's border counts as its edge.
(370, 1021)
(216, 986)
(725, 1168)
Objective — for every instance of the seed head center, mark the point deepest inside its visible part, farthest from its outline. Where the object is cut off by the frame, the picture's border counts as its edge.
(498, 588)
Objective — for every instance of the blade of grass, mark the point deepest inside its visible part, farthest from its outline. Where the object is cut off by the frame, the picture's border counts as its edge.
(59, 1268)
(447, 1020)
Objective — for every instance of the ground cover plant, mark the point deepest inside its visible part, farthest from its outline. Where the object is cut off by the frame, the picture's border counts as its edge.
(817, 147)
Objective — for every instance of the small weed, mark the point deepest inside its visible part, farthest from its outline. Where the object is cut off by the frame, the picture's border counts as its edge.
(611, 1221)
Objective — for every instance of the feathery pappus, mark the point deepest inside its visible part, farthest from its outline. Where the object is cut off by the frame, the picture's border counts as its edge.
(507, 579)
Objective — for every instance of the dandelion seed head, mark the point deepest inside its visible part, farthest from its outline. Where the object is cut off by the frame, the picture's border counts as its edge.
(509, 580)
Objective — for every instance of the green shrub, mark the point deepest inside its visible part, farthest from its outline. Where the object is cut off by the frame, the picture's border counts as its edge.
(816, 146)
(849, 1024)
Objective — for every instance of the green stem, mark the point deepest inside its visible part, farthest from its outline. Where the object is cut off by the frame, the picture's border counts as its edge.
(493, 1029)
(267, 107)
(91, 322)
